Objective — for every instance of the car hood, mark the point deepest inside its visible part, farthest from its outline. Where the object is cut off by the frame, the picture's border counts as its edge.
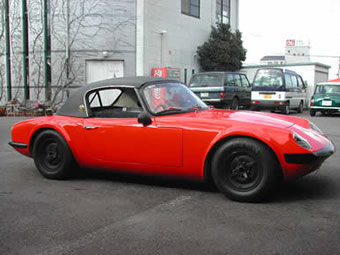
(251, 117)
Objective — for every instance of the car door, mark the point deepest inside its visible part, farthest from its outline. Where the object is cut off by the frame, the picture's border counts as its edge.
(230, 87)
(301, 90)
(246, 88)
(290, 91)
(118, 139)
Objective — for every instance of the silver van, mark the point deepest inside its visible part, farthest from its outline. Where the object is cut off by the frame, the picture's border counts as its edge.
(278, 89)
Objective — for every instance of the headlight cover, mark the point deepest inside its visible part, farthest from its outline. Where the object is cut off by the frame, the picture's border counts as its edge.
(301, 141)
(315, 128)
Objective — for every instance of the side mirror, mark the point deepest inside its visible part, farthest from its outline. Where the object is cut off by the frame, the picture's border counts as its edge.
(48, 112)
(144, 118)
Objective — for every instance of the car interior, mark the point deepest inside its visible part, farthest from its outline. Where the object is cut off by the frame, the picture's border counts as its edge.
(114, 103)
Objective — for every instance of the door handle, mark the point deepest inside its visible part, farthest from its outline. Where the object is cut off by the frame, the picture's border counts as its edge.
(90, 127)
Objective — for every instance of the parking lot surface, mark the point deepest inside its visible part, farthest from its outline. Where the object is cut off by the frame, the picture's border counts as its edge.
(111, 213)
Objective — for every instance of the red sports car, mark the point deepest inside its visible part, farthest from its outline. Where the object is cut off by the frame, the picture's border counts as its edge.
(158, 126)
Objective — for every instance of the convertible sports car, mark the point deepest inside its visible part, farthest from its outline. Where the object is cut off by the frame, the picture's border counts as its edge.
(158, 126)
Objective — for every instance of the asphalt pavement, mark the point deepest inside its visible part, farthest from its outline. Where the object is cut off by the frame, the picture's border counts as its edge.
(110, 213)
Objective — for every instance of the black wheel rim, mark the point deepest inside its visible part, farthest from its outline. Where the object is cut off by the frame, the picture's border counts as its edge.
(51, 156)
(242, 172)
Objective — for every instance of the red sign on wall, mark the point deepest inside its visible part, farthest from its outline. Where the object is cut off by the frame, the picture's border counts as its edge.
(290, 43)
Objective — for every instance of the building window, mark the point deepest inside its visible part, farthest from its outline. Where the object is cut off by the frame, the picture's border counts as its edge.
(191, 7)
(222, 11)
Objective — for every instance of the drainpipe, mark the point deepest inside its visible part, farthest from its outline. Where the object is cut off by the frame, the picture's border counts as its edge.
(25, 57)
(8, 53)
(67, 51)
(47, 56)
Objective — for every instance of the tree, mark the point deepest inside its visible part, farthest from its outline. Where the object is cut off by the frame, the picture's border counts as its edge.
(223, 51)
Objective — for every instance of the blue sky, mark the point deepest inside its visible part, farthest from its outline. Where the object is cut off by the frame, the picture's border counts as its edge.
(267, 24)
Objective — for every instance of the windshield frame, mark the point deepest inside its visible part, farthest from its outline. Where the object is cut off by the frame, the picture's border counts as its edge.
(197, 104)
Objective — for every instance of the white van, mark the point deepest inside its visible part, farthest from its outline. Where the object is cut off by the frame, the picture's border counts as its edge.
(278, 89)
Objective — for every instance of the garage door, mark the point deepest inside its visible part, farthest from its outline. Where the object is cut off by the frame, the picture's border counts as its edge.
(97, 70)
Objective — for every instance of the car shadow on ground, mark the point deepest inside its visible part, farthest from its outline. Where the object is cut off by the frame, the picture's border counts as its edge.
(149, 180)
(313, 187)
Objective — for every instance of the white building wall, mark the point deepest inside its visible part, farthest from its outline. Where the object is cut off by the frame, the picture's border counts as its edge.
(171, 38)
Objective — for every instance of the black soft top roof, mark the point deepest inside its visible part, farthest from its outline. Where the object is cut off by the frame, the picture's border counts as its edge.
(74, 104)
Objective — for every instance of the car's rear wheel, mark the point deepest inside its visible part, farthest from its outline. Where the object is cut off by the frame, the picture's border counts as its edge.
(286, 109)
(244, 169)
(312, 113)
(52, 155)
(234, 104)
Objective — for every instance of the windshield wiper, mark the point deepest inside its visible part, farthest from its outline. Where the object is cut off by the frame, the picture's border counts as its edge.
(171, 109)
(195, 107)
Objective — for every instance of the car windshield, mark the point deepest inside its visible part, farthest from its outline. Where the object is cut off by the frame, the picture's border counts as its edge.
(268, 79)
(171, 98)
(327, 89)
(206, 80)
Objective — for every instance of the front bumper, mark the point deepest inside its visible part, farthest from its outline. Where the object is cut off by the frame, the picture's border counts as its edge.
(310, 158)
(18, 145)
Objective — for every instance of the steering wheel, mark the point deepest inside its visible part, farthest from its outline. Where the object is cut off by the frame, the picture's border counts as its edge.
(159, 106)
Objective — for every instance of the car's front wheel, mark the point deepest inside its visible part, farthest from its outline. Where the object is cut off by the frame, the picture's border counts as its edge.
(52, 155)
(244, 169)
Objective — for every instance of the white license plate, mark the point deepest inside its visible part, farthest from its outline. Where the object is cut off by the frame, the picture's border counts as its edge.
(204, 94)
(327, 103)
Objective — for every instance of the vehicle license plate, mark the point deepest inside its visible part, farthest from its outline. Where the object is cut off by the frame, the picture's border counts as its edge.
(204, 94)
(327, 103)
(267, 96)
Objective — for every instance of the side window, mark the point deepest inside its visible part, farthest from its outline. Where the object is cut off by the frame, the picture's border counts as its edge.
(244, 80)
(103, 98)
(300, 82)
(114, 103)
(288, 81)
(294, 81)
(230, 80)
(237, 80)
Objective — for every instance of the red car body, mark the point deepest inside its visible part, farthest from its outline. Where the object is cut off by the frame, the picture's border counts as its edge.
(180, 144)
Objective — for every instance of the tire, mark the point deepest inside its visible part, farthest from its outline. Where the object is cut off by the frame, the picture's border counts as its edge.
(234, 104)
(300, 108)
(52, 156)
(312, 113)
(245, 170)
(286, 109)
